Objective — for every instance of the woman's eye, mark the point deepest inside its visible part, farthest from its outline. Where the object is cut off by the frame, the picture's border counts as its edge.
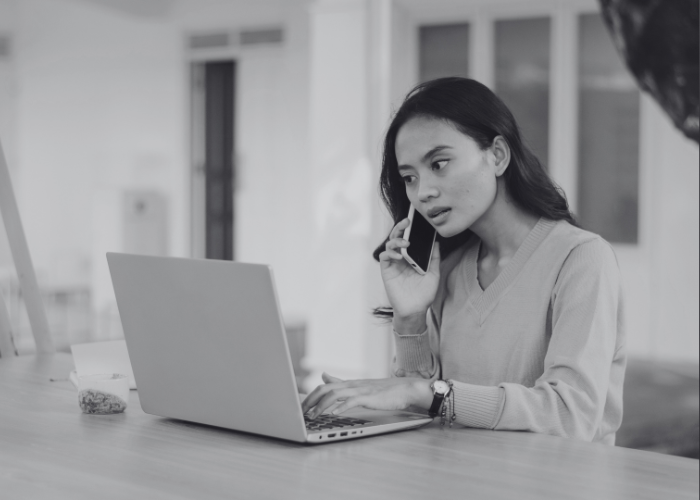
(439, 164)
(408, 178)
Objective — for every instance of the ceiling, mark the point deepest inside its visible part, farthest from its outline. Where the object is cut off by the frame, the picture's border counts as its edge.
(138, 8)
(166, 8)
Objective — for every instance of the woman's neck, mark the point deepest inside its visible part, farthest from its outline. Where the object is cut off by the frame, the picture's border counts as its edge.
(504, 227)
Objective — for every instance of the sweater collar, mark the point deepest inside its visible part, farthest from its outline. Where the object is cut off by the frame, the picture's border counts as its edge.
(485, 300)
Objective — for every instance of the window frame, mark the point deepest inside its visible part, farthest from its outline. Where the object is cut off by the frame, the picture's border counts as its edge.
(564, 86)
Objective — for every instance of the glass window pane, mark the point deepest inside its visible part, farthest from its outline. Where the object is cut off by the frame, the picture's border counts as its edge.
(444, 51)
(522, 77)
(608, 137)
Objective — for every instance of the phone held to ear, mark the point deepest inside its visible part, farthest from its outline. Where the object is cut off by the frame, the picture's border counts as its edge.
(421, 235)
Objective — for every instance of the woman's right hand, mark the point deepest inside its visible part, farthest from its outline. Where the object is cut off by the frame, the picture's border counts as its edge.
(409, 293)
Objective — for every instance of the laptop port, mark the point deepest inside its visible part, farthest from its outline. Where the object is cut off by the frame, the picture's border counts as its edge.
(343, 434)
(331, 435)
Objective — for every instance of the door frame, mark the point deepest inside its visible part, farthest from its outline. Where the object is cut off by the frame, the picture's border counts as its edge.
(196, 68)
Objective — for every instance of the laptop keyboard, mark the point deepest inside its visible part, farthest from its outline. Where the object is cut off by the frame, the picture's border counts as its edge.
(324, 422)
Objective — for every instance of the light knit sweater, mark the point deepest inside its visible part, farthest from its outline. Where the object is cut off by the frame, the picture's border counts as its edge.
(542, 349)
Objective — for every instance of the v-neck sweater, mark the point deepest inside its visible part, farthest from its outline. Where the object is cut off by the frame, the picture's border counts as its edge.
(541, 349)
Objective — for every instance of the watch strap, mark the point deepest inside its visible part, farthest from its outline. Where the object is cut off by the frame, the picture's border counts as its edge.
(437, 401)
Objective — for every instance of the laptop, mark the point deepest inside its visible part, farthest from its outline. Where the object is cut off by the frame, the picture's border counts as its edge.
(207, 344)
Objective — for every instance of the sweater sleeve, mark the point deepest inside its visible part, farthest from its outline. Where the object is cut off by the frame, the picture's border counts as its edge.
(569, 398)
(414, 355)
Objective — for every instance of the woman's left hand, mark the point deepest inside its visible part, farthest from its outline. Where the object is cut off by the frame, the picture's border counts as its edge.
(378, 394)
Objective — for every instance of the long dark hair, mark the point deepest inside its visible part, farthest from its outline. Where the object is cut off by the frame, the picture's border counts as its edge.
(480, 114)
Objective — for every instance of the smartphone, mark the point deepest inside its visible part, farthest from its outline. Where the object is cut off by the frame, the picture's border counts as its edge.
(422, 236)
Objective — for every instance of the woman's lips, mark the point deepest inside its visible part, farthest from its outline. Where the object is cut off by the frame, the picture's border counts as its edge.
(439, 216)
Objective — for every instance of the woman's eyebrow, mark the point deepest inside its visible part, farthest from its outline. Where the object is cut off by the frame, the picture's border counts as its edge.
(427, 155)
(434, 150)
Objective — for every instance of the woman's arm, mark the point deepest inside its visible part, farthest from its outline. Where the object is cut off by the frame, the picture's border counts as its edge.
(570, 396)
(414, 356)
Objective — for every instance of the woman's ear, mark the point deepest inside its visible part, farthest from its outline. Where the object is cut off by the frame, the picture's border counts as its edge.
(501, 153)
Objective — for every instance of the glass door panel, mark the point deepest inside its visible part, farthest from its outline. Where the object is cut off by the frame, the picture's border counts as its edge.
(522, 70)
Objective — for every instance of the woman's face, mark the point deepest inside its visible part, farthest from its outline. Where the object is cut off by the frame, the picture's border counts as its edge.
(448, 178)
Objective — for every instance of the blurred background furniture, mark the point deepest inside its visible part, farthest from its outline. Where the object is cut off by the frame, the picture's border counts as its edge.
(68, 313)
(661, 408)
(25, 272)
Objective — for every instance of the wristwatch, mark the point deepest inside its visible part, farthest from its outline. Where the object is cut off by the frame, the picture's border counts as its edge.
(440, 390)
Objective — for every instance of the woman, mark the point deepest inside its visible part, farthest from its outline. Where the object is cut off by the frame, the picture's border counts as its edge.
(520, 310)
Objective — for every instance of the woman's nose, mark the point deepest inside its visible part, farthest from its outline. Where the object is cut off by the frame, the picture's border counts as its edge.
(426, 191)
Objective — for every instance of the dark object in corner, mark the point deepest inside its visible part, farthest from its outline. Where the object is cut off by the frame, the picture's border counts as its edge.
(658, 40)
(661, 403)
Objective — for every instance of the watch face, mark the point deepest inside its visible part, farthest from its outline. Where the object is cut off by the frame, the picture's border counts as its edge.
(441, 387)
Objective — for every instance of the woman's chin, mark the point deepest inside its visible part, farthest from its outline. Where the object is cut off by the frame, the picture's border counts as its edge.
(449, 232)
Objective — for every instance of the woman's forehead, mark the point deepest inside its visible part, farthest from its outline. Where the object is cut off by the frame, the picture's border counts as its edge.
(421, 134)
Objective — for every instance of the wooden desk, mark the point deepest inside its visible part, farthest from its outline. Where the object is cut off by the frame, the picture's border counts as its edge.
(49, 449)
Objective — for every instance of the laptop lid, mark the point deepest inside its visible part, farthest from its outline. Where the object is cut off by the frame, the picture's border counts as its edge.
(207, 343)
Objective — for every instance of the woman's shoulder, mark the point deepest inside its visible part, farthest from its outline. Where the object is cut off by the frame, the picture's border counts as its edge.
(580, 247)
(567, 237)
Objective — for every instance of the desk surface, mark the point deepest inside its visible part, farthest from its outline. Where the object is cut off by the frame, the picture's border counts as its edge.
(49, 449)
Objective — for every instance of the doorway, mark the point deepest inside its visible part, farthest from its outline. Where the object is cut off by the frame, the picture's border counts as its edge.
(213, 153)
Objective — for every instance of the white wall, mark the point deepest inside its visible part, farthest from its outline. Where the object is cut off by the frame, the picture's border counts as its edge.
(660, 274)
(674, 242)
(341, 186)
(101, 109)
